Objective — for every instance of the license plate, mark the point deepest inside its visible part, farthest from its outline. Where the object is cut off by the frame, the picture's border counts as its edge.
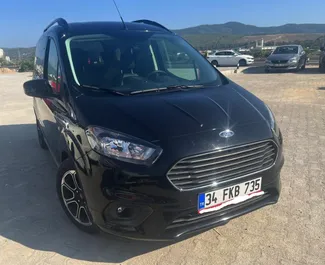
(216, 200)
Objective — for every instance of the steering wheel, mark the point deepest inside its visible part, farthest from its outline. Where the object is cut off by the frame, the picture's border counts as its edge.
(157, 73)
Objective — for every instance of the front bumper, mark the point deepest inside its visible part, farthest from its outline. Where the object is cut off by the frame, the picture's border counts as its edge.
(153, 208)
(291, 66)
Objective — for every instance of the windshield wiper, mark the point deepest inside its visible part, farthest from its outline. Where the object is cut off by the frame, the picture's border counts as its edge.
(111, 91)
(174, 87)
(185, 86)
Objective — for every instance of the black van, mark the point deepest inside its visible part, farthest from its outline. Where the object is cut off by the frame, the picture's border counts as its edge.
(151, 141)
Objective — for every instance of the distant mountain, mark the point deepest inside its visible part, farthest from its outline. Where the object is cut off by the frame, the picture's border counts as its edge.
(236, 28)
(228, 41)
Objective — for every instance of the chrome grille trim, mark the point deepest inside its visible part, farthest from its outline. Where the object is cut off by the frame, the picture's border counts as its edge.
(280, 61)
(194, 172)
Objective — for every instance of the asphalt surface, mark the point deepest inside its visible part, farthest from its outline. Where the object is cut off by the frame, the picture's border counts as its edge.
(35, 231)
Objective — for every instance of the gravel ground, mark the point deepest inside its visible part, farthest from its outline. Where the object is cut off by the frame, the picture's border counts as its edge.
(34, 229)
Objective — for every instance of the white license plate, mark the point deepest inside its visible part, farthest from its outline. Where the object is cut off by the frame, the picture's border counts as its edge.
(215, 200)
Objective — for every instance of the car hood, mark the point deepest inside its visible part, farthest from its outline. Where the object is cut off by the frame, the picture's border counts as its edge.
(281, 57)
(154, 117)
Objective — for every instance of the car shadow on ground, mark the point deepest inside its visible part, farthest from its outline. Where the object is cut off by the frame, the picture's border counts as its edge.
(31, 214)
(261, 70)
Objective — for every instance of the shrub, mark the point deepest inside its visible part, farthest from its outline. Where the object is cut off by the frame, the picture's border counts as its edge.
(26, 66)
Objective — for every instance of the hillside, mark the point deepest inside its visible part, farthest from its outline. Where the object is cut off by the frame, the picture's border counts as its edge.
(22, 53)
(234, 34)
(236, 28)
(280, 38)
(220, 41)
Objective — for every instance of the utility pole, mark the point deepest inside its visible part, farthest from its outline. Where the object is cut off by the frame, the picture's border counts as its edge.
(18, 54)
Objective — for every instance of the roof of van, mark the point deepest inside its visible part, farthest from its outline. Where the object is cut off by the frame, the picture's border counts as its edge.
(97, 27)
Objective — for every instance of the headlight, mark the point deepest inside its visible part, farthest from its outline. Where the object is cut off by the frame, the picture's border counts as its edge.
(122, 147)
(272, 122)
(293, 60)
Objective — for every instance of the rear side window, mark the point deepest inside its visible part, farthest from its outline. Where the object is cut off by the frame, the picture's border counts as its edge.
(40, 58)
(53, 68)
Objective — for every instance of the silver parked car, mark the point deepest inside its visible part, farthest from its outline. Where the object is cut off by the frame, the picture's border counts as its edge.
(286, 57)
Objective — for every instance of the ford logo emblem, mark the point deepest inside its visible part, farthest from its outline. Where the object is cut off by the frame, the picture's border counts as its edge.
(226, 134)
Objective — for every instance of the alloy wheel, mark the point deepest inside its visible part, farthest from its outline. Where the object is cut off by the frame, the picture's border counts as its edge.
(74, 199)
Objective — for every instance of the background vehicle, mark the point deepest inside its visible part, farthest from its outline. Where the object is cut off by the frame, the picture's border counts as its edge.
(229, 58)
(322, 59)
(148, 136)
(286, 57)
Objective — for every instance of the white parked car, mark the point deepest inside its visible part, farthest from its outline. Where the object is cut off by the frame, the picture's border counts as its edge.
(229, 58)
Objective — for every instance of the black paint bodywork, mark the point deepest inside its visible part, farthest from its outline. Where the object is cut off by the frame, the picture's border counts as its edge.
(182, 123)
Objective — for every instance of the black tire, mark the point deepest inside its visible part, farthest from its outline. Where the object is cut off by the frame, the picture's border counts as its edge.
(303, 67)
(321, 68)
(297, 69)
(77, 200)
(40, 135)
(215, 63)
(266, 70)
(242, 62)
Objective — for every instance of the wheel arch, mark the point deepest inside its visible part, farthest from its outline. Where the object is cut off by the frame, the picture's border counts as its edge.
(215, 62)
(70, 148)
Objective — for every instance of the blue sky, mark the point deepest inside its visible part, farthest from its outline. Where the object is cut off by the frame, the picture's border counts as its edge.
(22, 21)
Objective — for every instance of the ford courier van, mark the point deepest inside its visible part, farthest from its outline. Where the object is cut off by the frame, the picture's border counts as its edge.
(151, 141)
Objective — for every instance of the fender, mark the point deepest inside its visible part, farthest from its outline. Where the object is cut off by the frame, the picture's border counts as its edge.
(70, 143)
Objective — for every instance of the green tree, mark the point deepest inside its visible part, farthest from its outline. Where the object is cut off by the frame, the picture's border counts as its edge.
(26, 66)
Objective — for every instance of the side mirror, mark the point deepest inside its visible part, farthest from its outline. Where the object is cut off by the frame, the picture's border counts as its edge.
(322, 48)
(39, 88)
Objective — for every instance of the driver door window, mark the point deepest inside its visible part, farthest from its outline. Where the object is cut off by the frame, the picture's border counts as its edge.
(222, 58)
(53, 69)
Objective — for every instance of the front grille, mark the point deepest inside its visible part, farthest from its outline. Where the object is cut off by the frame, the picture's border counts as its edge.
(280, 62)
(204, 169)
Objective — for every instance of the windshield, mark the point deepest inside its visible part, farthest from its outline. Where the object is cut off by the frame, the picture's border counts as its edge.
(134, 61)
(286, 50)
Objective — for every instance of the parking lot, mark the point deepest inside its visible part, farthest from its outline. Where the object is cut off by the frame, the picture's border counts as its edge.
(35, 230)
